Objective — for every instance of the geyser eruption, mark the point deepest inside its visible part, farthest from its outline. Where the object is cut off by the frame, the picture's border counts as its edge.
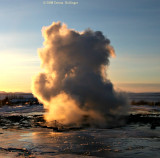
(74, 87)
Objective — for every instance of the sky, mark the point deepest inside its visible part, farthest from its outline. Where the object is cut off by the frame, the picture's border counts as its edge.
(133, 28)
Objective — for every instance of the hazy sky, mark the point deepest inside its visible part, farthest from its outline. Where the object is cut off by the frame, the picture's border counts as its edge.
(132, 26)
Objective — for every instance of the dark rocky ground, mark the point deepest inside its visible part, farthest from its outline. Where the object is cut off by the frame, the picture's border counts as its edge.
(21, 122)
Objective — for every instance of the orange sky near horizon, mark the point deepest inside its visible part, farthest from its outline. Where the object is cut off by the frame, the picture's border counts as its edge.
(17, 70)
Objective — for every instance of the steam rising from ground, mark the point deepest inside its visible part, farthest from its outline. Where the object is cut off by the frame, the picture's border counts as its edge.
(74, 87)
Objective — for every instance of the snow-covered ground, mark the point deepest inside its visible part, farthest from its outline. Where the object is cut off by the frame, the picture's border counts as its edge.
(22, 110)
(144, 109)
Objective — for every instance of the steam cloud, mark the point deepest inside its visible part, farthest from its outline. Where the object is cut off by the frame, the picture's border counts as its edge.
(74, 87)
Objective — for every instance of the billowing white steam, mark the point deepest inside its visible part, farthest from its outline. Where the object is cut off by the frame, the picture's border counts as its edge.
(74, 87)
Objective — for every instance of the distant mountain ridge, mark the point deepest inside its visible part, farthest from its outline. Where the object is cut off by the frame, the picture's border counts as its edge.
(3, 92)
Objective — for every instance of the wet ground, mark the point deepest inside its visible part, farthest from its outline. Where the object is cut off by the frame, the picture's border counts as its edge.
(22, 135)
(130, 141)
